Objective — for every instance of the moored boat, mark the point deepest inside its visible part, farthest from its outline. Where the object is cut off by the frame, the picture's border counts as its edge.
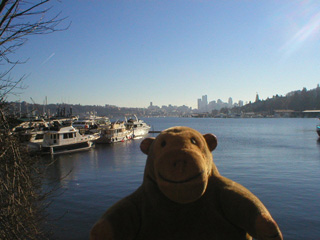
(138, 126)
(84, 124)
(65, 139)
(31, 131)
(91, 125)
(116, 132)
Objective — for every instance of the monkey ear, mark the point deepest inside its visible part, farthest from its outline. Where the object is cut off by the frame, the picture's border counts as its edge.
(145, 145)
(211, 140)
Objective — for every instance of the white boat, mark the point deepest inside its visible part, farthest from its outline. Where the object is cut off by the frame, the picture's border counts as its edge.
(116, 132)
(32, 136)
(92, 125)
(139, 127)
(102, 122)
(31, 131)
(84, 124)
(65, 139)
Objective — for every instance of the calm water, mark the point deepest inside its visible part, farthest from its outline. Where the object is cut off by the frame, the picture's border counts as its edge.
(277, 159)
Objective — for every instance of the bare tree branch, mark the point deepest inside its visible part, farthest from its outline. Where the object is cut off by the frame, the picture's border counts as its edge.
(20, 19)
(22, 198)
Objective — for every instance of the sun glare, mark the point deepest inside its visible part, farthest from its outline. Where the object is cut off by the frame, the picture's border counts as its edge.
(306, 21)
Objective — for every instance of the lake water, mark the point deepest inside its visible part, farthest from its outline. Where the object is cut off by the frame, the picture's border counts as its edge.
(277, 159)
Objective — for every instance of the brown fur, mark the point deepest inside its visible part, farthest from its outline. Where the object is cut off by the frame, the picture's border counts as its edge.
(183, 196)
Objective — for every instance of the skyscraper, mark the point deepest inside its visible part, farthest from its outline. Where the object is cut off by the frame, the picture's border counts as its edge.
(199, 103)
(230, 102)
(205, 100)
(205, 103)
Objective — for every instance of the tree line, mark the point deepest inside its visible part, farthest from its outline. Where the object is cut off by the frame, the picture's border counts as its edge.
(299, 101)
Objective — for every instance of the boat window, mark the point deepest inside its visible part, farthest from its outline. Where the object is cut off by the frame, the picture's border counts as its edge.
(67, 135)
(39, 136)
(54, 136)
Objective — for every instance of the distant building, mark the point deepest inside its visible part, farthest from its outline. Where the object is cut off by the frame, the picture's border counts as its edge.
(212, 105)
(203, 104)
(205, 99)
(199, 103)
(257, 97)
(230, 102)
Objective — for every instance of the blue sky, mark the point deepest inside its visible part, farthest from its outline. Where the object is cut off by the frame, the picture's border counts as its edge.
(132, 52)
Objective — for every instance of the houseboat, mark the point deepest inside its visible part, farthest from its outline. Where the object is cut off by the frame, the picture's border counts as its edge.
(65, 139)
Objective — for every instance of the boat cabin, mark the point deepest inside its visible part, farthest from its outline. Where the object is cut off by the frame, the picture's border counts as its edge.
(84, 124)
(66, 135)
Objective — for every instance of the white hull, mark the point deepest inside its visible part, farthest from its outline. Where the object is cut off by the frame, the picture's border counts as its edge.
(67, 139)
(113, 138)
(138, 132)
(54, 150)
(138, 126)
(117, 132)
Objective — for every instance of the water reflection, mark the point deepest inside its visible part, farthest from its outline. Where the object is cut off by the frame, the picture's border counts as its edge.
(113, 155)
(64, 167)
(277, 159)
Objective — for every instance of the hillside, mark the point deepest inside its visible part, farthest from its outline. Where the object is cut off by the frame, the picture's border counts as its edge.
(299, 101)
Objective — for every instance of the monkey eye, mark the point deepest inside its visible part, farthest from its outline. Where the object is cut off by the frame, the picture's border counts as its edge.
(193, 141)
(163, 143)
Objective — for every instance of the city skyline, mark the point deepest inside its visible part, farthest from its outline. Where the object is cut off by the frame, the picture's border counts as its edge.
(299, 103)
(202, 103)
(207, 106)
(128, 53)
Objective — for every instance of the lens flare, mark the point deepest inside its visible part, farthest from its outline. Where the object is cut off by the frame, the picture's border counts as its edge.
(305, 33)
(307, 20)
